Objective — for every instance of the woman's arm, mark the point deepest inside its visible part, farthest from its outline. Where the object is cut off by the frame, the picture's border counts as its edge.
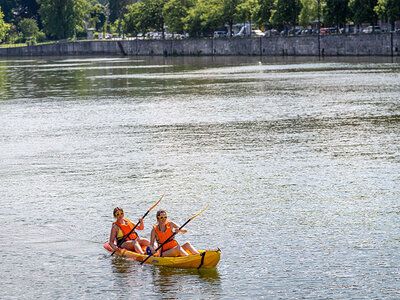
(113, 234)
(153, 240)
(174, 226)
(141, 225)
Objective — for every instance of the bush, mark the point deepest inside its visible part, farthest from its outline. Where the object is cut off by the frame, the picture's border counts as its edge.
(40, 37)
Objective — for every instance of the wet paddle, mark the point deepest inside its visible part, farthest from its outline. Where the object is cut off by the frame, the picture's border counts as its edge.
(172, 235)
(125, 236)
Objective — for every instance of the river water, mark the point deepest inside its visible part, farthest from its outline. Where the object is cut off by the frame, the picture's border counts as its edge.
(299, 159)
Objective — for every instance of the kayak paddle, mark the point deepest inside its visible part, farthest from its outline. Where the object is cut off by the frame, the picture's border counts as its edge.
(172, 235)
(125, 236)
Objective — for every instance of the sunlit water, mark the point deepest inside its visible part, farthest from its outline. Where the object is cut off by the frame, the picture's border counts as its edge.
(299, 160)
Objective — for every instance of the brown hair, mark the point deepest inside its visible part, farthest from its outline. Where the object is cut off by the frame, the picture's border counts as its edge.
(117, 209)
(160, 212)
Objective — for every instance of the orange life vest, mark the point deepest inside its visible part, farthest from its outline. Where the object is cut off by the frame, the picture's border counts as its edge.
(163, 236)
(126, 228)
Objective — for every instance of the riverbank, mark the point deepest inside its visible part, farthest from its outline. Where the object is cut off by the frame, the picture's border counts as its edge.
(387, 44)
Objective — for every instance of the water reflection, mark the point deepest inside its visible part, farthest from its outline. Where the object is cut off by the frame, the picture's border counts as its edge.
(170, 282)
(122, 266)
(174, 282)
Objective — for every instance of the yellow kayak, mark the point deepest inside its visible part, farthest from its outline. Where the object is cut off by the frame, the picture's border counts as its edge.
(207, 259)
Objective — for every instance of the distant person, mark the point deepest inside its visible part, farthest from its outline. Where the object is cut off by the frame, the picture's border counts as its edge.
(162, 231)
(121, 227)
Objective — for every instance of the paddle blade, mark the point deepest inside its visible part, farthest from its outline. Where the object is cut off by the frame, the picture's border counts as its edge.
(156, 203)
(199, 212)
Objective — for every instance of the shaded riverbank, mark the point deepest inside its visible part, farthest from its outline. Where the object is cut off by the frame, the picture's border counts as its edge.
(324, 45)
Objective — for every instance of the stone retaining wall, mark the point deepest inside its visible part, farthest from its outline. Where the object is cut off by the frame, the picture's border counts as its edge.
(328, 45)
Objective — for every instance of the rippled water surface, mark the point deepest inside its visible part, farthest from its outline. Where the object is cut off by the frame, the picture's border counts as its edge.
(299, 160)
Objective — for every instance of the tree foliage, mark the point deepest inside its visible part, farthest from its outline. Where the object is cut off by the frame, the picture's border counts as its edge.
(175, 12)
(309, 12)
(4, 27)
(28, 28)
(229, 8)
(118, 8)
(132, 18)
(247, 10)
(62, 18)
(263, 14)
(362, 11)
(97, 15)
(204, 17)
(388, 9)
(336, 11)
(145, 16)
(286, 13)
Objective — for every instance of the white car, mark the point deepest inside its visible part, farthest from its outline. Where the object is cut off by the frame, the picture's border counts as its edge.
(257, 33)
(371, 29)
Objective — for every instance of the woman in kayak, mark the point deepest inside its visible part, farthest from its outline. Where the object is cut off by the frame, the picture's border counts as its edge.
(121, 227)
(162, 231)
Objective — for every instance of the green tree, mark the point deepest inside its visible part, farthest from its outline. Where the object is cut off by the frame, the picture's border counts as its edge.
(389, 10)
(263, 14)
(362, 11)
(286, 13)
(246, 11)
(204, 17)
(97, 15)
(145, 16)
(193, 23)
(132, 18)
(175, 12)
(152, 17)
(118, 8)
(309, 12)
(62, 18)
(229, 12)
(29, 29)
(336, 12)
(4, 27)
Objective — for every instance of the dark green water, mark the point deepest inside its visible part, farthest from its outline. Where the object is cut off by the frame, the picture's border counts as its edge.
(299, 159)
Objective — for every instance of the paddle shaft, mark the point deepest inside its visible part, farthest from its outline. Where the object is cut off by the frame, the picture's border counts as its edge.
(168, 240)
(126, 235)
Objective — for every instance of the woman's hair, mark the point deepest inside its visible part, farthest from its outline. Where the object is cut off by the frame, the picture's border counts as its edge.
(117, 209)
(160, 212)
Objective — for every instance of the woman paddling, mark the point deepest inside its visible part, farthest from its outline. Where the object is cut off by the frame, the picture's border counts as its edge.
(162, 231)
(121, 227)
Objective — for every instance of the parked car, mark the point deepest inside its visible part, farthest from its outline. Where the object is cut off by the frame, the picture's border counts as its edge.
(257, 33)
(274, 32)
(306, 31)
(220, 34)
(324, 31)
(371, 29)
